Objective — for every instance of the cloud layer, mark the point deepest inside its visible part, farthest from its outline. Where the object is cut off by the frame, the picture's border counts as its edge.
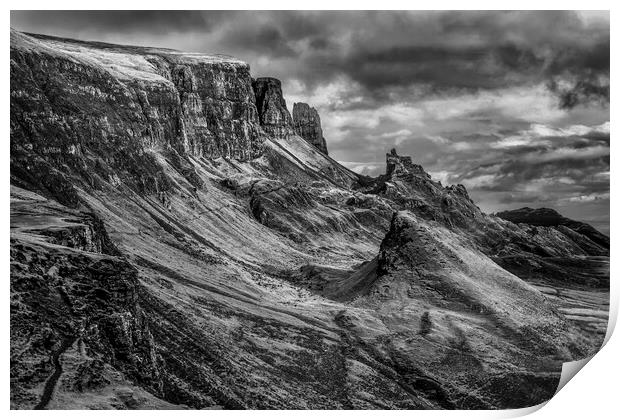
(515, 105)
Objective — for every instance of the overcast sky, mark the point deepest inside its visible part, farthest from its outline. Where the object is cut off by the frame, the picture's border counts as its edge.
(514, 105)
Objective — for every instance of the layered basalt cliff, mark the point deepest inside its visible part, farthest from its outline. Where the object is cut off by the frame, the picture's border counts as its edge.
(201, 105)
(273, 114)
(100, 110)
(77, 327)
(308, 125)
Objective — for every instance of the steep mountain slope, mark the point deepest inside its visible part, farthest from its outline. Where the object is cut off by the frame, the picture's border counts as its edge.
(174, 242)
(73, 295)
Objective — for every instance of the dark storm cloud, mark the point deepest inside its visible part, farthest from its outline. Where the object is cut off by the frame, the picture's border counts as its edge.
(572, 58)
(266, 35)
(443, 67)
(581, 76)
(550, 170)
(512, 104)
(122, 21)
(580, 89)
(447, 50)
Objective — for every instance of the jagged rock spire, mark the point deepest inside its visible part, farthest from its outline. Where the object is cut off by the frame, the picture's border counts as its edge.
(308, 125)
(402, 164)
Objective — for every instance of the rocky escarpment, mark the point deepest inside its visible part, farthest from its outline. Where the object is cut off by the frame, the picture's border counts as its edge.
(272, 111)
(402, 165)
(198, 104)
(276, 119)
(76, 321)
(242, 278)
(100, 111)
(555, 250)
(308, 125)
(410, 187)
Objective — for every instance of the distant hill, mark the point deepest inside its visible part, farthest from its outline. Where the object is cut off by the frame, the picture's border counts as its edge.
(550, 217)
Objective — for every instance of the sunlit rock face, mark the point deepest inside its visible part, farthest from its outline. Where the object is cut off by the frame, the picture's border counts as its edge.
(273, 115)
(308, 125)
(218, 115)
(101, 110)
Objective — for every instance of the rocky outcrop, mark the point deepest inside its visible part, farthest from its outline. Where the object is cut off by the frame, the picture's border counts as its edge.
(540, 246)
(72, 293)
(402, 165)
(272, 112)
(308, 125)
(410, 187)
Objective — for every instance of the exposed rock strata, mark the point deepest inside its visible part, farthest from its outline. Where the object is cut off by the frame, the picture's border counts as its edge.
(101, 111)
(273, 115)
(71, 293)
(308, 125)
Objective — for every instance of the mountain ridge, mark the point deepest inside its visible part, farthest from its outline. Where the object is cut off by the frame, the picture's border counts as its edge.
(550, 217)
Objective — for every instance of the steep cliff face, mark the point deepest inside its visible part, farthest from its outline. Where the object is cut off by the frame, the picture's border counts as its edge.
(175, 243)
(285, 141)
(272, 111)
(308, 125)
(101, 110)
(77, 328)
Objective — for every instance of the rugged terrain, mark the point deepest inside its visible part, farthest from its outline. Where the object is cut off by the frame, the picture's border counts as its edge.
(179, 240)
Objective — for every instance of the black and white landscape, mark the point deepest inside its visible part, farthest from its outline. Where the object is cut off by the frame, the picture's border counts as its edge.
(423, 226)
